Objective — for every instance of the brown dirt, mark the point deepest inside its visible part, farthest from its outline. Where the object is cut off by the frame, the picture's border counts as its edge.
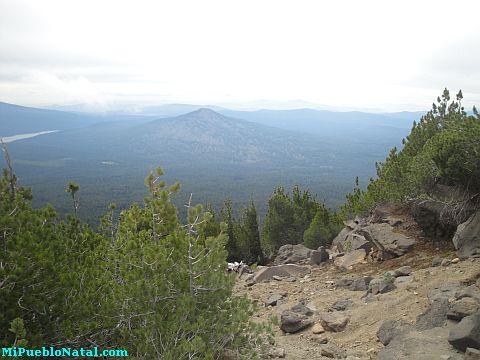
(359, 337)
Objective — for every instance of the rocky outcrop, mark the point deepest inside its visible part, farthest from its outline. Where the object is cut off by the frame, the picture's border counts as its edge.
(467, 237)
(373, 237)
(292, 254)
(286, 270)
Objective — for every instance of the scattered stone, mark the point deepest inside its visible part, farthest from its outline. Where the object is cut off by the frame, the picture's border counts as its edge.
(334, 321)
(472, 354)
(292, 322)
(455, 261)
(286, 270)
(402, 271)
(319, 256)
(463, 307)
(333, 352)
(466, 333)
(318, 329)
(276, 277)
(436, 262)
(360, 284)
(320, 339)
(342, 305)
(291, 279)
(277, 353)
(292, 254)
(381, 285)
(273, 300)
(403, 280)
(467, 237)
(352, 258)
(389, 329)
(445, 262)
(434, 316)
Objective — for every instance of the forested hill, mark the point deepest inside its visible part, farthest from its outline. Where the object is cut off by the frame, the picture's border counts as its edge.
(214, 156)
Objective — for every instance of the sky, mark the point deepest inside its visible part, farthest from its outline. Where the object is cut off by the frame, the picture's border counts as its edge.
(372, 55)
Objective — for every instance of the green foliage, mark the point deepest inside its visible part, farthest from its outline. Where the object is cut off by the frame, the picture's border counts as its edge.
(323, 228)
(442, 148)
(292, 220)
(145, 282)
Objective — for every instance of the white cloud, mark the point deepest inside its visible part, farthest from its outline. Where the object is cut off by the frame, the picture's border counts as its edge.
(370, 54)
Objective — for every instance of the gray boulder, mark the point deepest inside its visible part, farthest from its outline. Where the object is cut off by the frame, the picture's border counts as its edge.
(388, 241)
(463, 307)
(319, 256)
(467, 237)
(389, 329)
(286, 270)
(466, 333)
(351, 258)
(292, 322)
(273, 300)
(292, 254)
(334, 321)
(434, 316)
(342, 305)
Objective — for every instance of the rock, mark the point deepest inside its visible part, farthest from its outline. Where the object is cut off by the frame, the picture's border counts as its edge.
(434, 316)
(360, 284)
(333, 352)
(344, 283)
(467, 237)
(402, 271)
(472, 354)
(445, 262)
(273, 300)
(463, 307)
(455, 261)
(276, 353)
(471, 291)
(352, 258)
(334, 321)
(355, 241)
(319, 256)
(403, 280)
(387, 240)
(340, 238)
(466, 333)
(341, 305)
(437, 261)
(427, 214)
(300, 308)
(425, 345)
(292, 322)
(292, 254)
(320, 339)
(318, 329)
(286, 270)
(381, 285)
(389, 329)
(447, 291)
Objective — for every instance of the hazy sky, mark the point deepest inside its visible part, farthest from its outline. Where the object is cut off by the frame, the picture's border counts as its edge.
(389, 55)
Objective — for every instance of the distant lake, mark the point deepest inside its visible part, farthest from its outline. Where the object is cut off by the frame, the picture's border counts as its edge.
(9, 139)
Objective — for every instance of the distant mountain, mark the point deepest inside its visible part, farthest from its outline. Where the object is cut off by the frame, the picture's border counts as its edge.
(207, 136)
(16, 119)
